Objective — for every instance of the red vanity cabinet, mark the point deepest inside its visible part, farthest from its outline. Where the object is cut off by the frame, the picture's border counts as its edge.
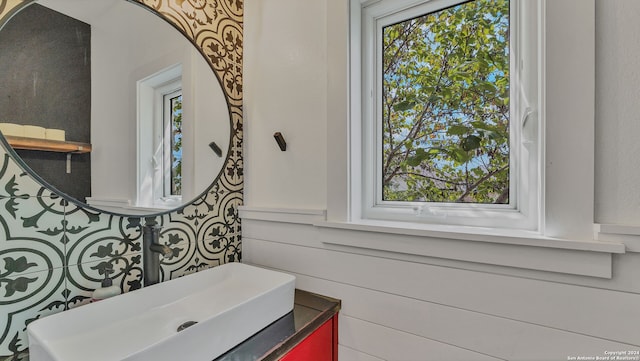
(320, 345)
(308, 333)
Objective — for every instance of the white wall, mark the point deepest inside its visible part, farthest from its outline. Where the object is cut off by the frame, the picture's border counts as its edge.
(129, 43)
(617, 112)
(285, 73)
(429, 307)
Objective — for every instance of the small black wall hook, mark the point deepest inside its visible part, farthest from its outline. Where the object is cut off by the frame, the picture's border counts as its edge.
(280, 139)
(216, 149)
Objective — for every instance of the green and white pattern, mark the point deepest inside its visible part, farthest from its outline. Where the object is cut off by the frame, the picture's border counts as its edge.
(54, 252)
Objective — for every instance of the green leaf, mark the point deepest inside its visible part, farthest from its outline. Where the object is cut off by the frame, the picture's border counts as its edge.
(417, 159)
(498, 137)
(460, 156)
(457, 130)
(487, 86)
(471, 142)
(482, 125)
(404, 106)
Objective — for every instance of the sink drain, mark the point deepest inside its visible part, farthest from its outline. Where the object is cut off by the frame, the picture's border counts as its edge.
(186, 325)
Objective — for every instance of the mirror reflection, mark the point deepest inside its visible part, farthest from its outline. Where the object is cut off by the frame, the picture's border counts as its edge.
(127, 86)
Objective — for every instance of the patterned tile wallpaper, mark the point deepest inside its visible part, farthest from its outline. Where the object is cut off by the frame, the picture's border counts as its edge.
(54, 252)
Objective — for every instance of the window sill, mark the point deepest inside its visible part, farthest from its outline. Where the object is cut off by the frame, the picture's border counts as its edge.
(629, 235)
(476, 234)
(124, 206)
(413, 242)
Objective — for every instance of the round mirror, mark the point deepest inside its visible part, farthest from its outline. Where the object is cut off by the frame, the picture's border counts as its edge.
(111, 105)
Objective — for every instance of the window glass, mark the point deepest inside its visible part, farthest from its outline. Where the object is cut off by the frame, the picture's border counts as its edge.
(445, 107)
(174, 151)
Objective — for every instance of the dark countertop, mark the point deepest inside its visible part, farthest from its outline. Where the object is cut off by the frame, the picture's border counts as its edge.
(310, 311)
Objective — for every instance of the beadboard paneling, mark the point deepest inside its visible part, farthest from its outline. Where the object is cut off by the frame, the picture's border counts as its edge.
(391, 344)
(349, 354)
(500, 337)
(567, 307)
(414, 304)
(624, 265)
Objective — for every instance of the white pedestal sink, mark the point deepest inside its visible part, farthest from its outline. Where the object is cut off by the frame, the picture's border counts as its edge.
(229, 303)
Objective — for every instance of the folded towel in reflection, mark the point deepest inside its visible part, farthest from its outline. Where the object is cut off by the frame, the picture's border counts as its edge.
(55, 134)
(10, 129)
(33, 131)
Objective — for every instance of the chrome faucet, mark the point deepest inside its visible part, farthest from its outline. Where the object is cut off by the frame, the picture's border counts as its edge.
(152, 250)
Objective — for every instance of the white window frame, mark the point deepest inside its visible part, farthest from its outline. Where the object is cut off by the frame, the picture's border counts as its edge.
(526, 143)
(161, 145)
(566, 96)
(151, 167)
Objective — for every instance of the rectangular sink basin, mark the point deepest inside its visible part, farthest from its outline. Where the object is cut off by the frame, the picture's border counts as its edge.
(229, 303)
